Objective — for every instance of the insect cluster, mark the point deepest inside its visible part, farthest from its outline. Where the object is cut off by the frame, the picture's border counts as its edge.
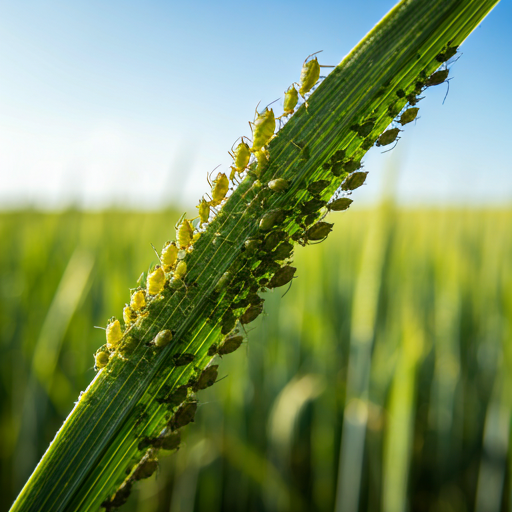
(266, 255)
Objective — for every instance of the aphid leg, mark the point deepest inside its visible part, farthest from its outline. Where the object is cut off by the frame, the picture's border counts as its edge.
(289, 288)
(157, 255)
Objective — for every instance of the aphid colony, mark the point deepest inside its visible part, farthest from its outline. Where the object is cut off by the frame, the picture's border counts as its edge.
(265, 261)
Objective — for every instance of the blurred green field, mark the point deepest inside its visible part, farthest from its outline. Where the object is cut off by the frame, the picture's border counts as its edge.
(380, 382)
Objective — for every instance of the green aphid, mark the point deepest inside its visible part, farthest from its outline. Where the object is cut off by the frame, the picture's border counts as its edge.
(400, 93)
(283, 276)
(101, 359)
(447, 54)
(163, 338)
(120, 497)
(213, 349)
(413, 99)
(408, 116)
(183, 416)
(318, 186)
(241, 157)
(145, 469)
(271, 218)
(352, 165)
(337, 169)
(263, 129)
(313, 205)
(207, 377)
(291, 97)
(230, 344)
(251, 314)
(204, 211)
(263, 160)
(388, 137)
(365, 129)
(174, 398)
(338, 156)
(340, 204)
(263, 281)
(254, 299)
(311, 218)
(223, 281)
(355, 180)
(437, 78)
(283, 251)
(319, 231)
(252, 244)
(367, 143)
(183, 359)
(278, 185)
(272, 240)
(239, 304)
(228, 322)
(309, 75)
(170, 441)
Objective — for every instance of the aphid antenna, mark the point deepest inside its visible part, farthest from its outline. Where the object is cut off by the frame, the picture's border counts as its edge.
(156, 252)
(98, 327)
(222, 378)
(388, 150)
(271, 103)
(180, 220)
(309, 56)
(290, 287)
(209, 175)
(447, 89)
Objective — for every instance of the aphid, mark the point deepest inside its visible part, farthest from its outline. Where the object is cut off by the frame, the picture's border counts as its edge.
(251, 314)
(400, 93)
(388, 137)
(163, 338)
(204, 210)
(207, 377)
(138, 300)
(156, 281)
(309, 75)
(220, 187)
(352, 165)
(337, 168)
(283, 251)
(170, 441)
(169, 255)
(337, 156)
(183, 359)
(272, 240)
(184, 415)
(101, 359)
(437, 78)
(413, 99)
(223, 281)
(283, 276)
(175, 398)
(311, 218)
(312, 205)
(196, 236)
(340, 204)
(254, 299)
(212, 350)
(228, 322)
(291, 97)
(447, 54)
(408, 116)
(229, 344)
(184, 234)
(120, 497)
(271, 218)
(241, 157)
(264, 128)
(113, 333)
(278, 185)
(318, 186)
(319, 231)
(263, 160)
(145, 469)
(252, 244)
(365, 129)
(355, 180)
(129, 316)
(129, 345)
(181, 270)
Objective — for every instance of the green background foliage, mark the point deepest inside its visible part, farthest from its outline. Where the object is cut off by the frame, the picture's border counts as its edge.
(415, 300)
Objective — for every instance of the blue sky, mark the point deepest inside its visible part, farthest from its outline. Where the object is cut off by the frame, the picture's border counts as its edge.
(131, 103)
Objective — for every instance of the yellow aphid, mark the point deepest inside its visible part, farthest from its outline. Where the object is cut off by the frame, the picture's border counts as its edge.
(291, 97)
(220, 187)
(101, 359)
(156, 281)
(204, 210)
(309, 75)
(263, 131)
(138, 300)
(184, 234)
(262, 158)
(181, 270)
(169, 255)
(241, 157)
(129, 316)
(196, 237)
(114, 333)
